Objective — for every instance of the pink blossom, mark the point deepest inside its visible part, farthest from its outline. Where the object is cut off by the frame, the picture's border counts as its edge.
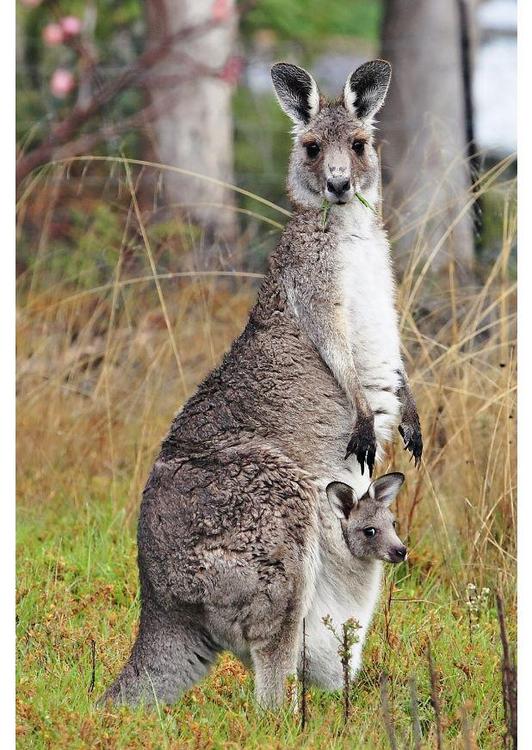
(232, 69)
(62, 83)
(221, 10)
(31, 3)
(71, 25)
(53, 34)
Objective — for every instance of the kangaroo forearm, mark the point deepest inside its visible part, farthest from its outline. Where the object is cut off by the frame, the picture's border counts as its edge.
(325, 323)
(337, 355)
(352, 386)
(406, 399)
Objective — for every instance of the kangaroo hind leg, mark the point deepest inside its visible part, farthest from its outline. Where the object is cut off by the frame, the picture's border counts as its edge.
(274, 661)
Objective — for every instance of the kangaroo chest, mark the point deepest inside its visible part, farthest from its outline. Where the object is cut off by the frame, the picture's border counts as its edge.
(367, 288)
(368, 293)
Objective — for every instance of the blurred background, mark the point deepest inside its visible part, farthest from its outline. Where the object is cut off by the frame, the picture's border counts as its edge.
(151, 161)
(186, 83)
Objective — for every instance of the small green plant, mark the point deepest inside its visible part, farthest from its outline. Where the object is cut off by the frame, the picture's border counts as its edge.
(325, 208)
(346, 640)
(477, 604)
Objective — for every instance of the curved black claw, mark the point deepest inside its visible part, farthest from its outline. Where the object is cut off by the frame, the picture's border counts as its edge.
(413, 441)
(364, 445)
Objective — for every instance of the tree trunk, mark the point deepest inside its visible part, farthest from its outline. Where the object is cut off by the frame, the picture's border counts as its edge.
(425, 170)
(194, 130)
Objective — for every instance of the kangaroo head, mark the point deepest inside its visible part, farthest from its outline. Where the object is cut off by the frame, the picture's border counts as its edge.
(368, 524)
(333, 155)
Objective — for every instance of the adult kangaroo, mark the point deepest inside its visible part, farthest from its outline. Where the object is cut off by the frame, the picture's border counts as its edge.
(308, 394)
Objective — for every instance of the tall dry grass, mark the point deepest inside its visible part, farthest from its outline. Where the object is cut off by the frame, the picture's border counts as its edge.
(103, 365)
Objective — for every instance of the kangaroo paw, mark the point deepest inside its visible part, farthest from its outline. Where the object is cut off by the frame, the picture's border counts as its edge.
(363, 444)
(413, 440)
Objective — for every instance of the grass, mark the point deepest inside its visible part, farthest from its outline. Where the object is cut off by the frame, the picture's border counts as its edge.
(103, 367)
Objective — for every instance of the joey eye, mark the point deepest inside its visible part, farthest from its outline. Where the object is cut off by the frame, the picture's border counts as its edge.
(313, 149)
(369, 531)
(358, 147)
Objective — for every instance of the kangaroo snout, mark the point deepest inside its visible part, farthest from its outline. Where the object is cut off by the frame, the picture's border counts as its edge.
(398, 554)
(338, 189)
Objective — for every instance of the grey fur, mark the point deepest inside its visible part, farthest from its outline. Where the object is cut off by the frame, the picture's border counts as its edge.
(236, 540)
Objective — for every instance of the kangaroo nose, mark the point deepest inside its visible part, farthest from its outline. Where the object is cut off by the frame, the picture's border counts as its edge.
(338, 185)
(401, 552)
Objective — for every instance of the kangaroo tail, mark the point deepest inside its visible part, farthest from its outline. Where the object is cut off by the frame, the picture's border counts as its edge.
(172, 652)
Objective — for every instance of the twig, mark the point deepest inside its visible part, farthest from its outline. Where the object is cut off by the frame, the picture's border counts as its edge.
(87, 141)
(345, 659)
(509, 686)
(304, 680)
(386, 713)
(388, 614)
(470, 618)
(93, 670)
(435, 699)
(416, 726)
(466, 730)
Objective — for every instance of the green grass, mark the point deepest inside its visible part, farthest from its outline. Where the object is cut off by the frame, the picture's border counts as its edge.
(77, 583)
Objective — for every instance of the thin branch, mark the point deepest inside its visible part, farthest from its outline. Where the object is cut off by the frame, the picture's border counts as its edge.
(509, 683)
(386, 713)
(345, 659)
(466, 730)
(416, 726)
(93, 669)
(64, 130)
(435, 699)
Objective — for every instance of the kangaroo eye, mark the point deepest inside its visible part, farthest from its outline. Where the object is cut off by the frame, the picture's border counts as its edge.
(358, 147)
(313, 149)
(369, 531)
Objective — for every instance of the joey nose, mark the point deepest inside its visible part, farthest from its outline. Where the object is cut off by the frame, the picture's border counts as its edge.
(400, 553)
(338, 185)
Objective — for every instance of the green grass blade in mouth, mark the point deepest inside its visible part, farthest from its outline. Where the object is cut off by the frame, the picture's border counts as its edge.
(325, 208)
(365, 202)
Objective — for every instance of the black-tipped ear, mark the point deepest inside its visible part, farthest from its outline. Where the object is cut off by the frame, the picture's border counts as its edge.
(365, 89)
(386, 488)
(342, 498)
(296, 91)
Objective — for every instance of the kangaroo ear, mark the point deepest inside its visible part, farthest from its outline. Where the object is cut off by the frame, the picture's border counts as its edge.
(365, 89)
(342, 499)
(386, 488)
(296, 92)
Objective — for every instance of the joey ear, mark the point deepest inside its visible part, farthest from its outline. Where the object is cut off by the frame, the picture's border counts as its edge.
(366, 89)
(296, 92)
(342, 499)
(386, 488)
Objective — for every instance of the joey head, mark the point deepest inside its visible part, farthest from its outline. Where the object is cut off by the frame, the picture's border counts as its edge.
(368, 524)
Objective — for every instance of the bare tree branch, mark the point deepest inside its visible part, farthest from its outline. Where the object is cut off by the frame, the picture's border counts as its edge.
(133, 75)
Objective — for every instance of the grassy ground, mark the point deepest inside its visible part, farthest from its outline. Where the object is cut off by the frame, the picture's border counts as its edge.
(103, 366)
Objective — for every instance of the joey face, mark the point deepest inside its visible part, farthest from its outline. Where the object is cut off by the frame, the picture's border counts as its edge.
(368, 524)
(333, 155)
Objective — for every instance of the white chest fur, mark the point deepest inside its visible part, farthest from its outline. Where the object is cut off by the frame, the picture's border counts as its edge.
(345, 588)
(369, 294)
